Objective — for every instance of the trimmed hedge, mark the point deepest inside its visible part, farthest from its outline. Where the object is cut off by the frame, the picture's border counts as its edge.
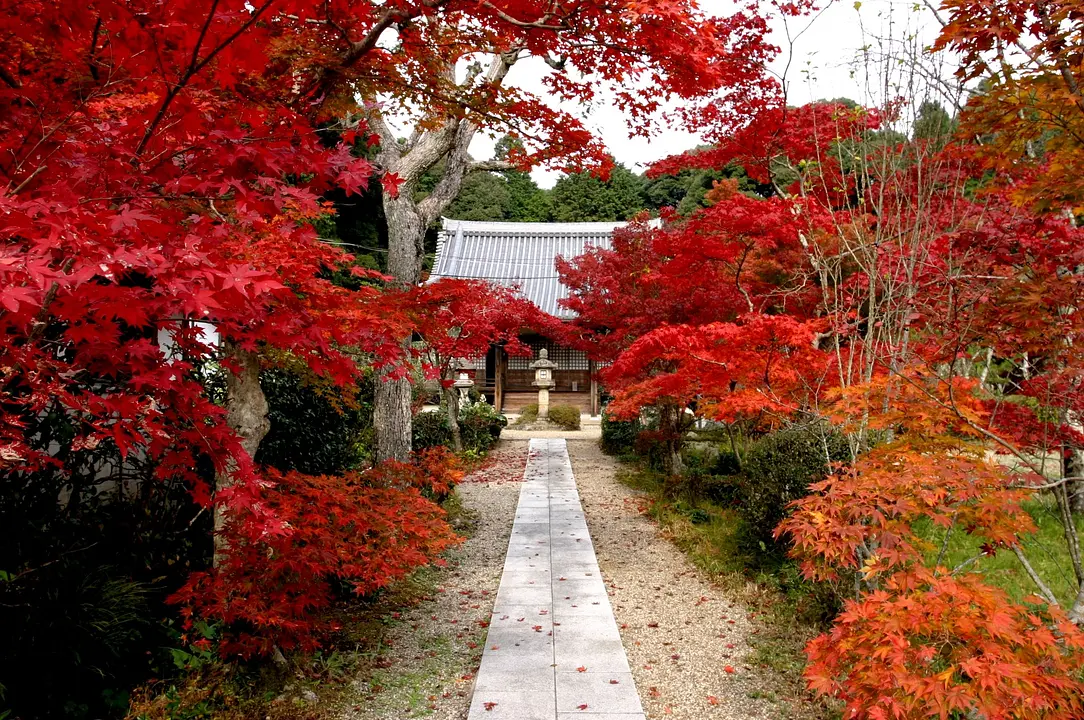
(566, 416)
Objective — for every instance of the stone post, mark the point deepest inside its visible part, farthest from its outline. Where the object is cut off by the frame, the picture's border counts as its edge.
(543, 380)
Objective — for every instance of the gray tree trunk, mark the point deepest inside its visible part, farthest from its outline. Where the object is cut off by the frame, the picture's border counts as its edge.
(392, 416)
(451, 399)
(1073, 467)
(670, 423)
(407, 223)
(246, 414)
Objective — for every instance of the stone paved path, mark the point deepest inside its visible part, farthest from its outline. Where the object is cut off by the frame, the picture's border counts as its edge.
(553, 651)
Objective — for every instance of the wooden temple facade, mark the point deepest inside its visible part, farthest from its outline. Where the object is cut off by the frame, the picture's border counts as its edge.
(523, 255)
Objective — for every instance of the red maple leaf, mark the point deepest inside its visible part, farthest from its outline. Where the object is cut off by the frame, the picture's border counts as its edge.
(391, 183)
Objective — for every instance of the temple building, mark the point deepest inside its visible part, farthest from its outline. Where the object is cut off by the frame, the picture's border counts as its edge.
(523, 255)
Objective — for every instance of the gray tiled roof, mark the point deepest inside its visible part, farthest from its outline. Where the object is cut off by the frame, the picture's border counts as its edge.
(517, 255)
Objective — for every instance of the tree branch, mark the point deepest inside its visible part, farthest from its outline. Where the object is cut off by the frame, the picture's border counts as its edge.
(196, 65)
(9, 79)
(458, 162)
(540, 24)
(491, 166)
(1043, 589)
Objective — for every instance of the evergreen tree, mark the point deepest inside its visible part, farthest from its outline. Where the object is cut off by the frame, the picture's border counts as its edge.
(484, 196)
(526, 201)
(933, 123)
(585, 198)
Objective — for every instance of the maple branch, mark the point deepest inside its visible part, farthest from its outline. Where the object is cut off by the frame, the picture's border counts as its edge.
(31, 176)
(936, 13)
(1076, 612)
(94, 49)
(1072, 539)
(392, 16)
(1047, 486)
(539, 24)
(196, 65)
(945, 542)
(1043, 589)
(1062, 63)
(50, 295)
(967, 563)
(9, 79)
(458, 144)
(967, 421)
(389, 147)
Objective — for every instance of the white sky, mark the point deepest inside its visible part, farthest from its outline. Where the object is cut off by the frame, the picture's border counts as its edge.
(824, 63)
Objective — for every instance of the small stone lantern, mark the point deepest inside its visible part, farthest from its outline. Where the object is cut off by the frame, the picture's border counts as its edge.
(463, 381)
(543, 380)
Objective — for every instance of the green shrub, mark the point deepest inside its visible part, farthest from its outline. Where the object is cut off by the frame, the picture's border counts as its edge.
(480, 426)
(708, 475)
(312, 429)
(528, 414)
(430, 429)
(566, 416)
(778, 469)
(619, 436)
(86, 562)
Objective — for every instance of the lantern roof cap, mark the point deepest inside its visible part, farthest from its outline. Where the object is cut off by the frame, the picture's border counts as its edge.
(543, 360)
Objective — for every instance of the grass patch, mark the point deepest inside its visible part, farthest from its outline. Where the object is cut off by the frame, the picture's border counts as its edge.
(790, 610)
(1046, 550)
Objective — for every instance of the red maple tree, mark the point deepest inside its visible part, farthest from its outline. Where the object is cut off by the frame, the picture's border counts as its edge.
(934, 325)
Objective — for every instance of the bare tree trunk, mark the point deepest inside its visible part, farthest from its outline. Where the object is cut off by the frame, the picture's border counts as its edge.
(1072, 465)
(673, 436)
(408, 220)
(392, 416)
(246, 414)
(451, 398)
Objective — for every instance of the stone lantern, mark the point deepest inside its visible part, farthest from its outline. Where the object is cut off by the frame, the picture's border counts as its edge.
(463, 381)
(543, 380)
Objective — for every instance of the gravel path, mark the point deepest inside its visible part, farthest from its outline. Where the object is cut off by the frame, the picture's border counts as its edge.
(434, 648)
(686, 639)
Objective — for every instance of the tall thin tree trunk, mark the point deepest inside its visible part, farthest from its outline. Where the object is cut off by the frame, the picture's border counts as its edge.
(247, 415)
(674, 438)
(451, 398)
(1072, 466)
(392, 417)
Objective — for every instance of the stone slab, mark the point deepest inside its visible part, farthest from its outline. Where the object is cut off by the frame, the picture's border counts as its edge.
(552, 614)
